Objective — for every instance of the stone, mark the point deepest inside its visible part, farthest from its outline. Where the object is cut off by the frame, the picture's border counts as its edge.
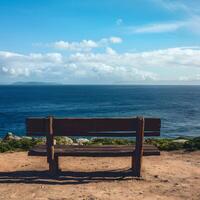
(26, 137)
(17, 137)
(68, 140)
(180, 141)
(82, 141)
(11, 136)
(64, 140)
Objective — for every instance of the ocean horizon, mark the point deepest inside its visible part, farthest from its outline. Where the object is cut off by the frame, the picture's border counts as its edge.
(177, 105)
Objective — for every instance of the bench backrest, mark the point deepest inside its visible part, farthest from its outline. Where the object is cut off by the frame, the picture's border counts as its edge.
(111, 127)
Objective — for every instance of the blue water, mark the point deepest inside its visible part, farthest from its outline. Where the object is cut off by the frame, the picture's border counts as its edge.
(177, 106)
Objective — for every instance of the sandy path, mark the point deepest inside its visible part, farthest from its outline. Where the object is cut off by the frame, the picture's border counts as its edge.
(173, 175)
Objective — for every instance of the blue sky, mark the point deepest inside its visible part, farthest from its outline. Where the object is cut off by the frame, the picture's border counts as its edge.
(100, 42)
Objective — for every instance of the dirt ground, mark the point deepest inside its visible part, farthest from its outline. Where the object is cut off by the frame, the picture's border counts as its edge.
(173, 175)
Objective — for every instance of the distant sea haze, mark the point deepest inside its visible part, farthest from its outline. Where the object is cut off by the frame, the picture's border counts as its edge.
(177, 106)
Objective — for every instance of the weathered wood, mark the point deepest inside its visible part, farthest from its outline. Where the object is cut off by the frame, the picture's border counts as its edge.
(105, 127)
(36, 126)
(50, 146)
(138, 153)
(54, 165)
(94, 151)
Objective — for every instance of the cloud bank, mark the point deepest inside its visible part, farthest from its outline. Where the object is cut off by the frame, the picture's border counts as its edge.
(107, 67)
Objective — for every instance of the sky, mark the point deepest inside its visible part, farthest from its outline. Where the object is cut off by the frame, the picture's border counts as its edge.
(100, 42)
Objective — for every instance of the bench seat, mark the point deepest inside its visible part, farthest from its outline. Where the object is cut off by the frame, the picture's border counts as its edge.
(93, 151)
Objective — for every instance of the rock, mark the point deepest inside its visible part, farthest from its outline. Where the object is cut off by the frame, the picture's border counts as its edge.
(26, 137)
(180, 141)
(141, 192)
(165, 181)
(44, 140)
(11, 136)
(8, 136)
(82, 141)
(41, 140)
(64, 140)
(68, 140)
(17, 137)
(155, 176)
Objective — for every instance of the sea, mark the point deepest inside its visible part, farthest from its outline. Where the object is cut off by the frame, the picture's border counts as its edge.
(177, 106)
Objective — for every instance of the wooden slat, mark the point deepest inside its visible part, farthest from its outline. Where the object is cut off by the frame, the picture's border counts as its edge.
(83, 126)
(94, 151)
(152, 124)
(110, 134)
(36, 126)
(124, 127)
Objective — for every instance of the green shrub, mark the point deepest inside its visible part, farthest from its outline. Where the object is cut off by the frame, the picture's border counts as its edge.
(109, 141)
(63, 140)
(14, 145)
(4, 147)
(193, 144)
(165, 144)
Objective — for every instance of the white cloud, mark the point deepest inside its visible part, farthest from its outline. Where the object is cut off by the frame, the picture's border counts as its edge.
(186, 78)
(192, 24)
(85, 45)
(172, 5)
(189, 10)
(16, 71)
(185, 7)
(107, 67)
(115, 40)
(157, 28)
(119, 22)
(14, 64)
(110, 51)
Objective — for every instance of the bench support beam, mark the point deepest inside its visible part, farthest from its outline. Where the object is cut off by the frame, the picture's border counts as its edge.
(51, 158)
(54, 166)
(138, 153)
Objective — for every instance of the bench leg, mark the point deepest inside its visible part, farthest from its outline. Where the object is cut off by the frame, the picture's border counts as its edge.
(137, 165)
(54, 165)
(138, 153)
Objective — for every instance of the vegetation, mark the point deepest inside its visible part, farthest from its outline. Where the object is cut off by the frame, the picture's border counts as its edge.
(110, 141)
(193, 144)
(24, 144)
(18, 145)
(166, 144)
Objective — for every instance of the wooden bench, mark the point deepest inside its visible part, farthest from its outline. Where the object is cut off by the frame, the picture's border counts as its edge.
(96, 127)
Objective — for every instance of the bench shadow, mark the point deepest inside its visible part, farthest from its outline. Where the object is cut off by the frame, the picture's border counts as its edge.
(64, 177)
